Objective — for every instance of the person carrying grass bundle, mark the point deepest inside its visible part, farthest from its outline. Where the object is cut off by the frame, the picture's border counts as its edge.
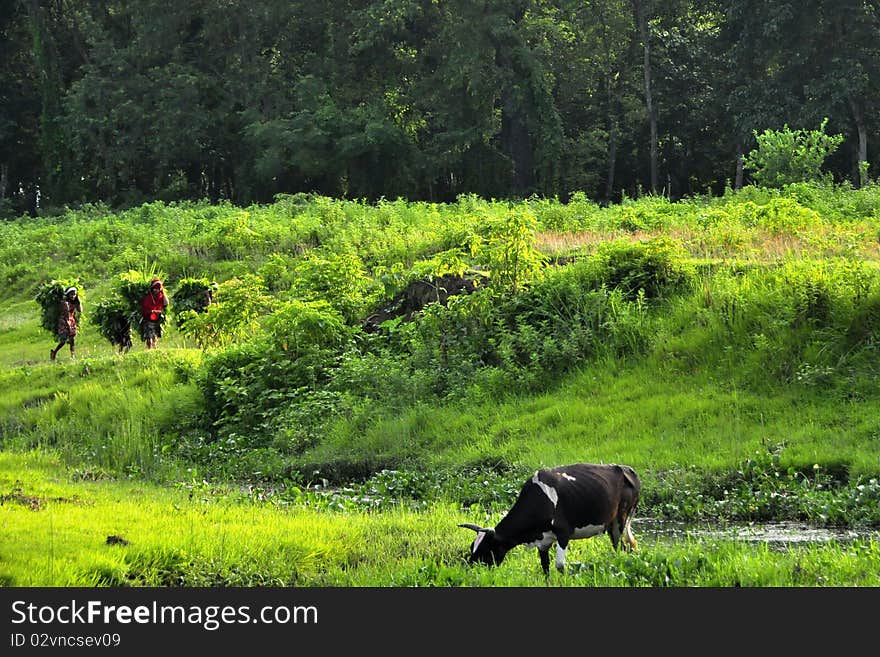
(152, 307)
(69, 308)
(192, 297)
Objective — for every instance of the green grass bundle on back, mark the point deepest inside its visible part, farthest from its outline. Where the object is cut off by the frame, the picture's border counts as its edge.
(48, 296)
(193, 295)
(132, 286)
(114, 317)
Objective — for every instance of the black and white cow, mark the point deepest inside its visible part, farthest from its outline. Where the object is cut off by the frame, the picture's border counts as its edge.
(560, 504)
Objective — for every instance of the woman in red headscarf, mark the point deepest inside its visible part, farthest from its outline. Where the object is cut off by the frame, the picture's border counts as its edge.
(153, 305)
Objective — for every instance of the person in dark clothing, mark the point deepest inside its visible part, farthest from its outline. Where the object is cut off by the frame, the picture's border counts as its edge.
(153, 305)
(70, 307)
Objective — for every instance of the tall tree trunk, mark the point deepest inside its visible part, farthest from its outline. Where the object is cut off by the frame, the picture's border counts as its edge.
(642, 21)
(4, 180)
(859, 117)
(612, 159)
(51, 140)
(738, 180)
(612, 93)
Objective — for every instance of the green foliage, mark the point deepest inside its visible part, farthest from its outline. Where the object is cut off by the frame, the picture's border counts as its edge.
(114, 319)
(255, 390)
(337, 278)
(234, 316)
(133, 285)
(290, 379)
(298, 328)
(301, 534)
(48, 296)
(762, 489)
(192, 295)
(790, 156)
(506, 248)
(654, 269)
(130, 287)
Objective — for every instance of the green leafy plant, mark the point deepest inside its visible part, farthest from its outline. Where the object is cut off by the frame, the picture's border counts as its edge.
(239, 304)
(654, 268)
(509, 250)
(193, 295)
(790, 156)
(338, 278)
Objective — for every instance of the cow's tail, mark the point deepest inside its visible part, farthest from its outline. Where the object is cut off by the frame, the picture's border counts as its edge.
(628, 537)
(635, 485)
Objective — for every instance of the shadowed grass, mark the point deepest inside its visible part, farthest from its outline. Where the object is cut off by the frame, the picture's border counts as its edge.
(635, 414)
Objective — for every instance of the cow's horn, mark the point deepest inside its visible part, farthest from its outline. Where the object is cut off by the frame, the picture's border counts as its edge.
(476, 528)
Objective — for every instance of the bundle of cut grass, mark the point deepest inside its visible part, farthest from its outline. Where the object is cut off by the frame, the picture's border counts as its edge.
(132, 286)
(193, 295)
(48, 296)
(113, 317)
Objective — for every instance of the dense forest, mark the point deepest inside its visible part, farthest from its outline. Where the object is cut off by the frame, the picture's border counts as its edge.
(126, 101)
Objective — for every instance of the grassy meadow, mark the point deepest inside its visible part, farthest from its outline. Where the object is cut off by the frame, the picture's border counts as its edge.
(62, 531)
(724, 347)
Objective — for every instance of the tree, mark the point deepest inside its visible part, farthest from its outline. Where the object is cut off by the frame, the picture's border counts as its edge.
(848, 70)
(641, 15)
(19, 113)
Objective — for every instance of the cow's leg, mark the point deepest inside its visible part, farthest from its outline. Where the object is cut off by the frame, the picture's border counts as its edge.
(561, 547)
(544, 554)
(614, 531)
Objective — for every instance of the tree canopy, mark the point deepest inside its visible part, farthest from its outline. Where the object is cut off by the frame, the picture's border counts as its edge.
(127, 101)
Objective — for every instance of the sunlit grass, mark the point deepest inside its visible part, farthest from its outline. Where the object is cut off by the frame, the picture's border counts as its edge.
(747, 244)
(56, 532)
(86, 442)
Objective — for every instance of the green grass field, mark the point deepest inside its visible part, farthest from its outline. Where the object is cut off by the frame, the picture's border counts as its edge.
(748, 395)
(60, 531)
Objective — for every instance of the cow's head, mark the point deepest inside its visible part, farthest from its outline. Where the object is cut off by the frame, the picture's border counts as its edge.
(488, 548)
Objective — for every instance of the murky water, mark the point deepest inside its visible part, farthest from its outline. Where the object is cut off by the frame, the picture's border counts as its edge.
(776, 533)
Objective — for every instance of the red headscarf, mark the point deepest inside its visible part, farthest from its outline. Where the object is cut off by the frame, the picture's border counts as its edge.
(154, 301)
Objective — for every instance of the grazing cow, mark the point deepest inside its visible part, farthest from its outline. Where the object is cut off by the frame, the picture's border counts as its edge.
(560, 504)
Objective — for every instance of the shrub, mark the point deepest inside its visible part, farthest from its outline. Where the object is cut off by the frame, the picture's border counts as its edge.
(338, 278)
(298, 328)
(508, 250)
(790, 156)
(255, 391)
(657, 267)
(240, 302)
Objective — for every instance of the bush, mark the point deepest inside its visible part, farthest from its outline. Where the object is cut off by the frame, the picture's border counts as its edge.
(790, 156)
(234, 316)
(653, 269)
(338, 278)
